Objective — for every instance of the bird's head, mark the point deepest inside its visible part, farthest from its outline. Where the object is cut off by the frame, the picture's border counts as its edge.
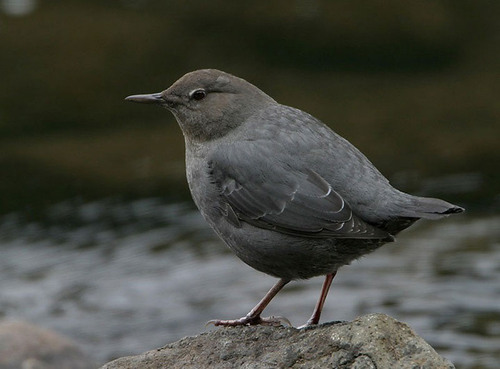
(208, 103)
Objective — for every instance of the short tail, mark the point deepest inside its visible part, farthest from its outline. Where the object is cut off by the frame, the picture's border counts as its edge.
(430, 208)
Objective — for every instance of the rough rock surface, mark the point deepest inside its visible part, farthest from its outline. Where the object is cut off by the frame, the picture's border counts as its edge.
(373, 341)
(27, 346)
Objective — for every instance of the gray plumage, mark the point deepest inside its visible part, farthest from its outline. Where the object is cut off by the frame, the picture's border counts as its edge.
(287, 194)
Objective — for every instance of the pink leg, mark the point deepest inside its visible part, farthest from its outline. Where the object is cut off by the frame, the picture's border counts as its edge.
(314, 319)
(253, 317)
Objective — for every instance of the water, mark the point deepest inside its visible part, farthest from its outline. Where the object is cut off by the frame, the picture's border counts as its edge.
(124, 277)
(121, 277)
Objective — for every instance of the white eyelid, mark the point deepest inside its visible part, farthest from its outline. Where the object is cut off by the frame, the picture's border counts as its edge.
(195, 90)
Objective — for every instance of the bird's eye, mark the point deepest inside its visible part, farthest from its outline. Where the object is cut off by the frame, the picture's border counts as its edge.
(198, 94)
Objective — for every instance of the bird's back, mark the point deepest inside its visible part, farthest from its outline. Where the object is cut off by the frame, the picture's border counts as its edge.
(295, 139)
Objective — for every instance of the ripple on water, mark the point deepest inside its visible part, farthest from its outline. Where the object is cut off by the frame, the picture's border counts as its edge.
(124, 277)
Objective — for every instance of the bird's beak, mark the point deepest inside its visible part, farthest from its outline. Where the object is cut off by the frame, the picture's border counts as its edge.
(147, 99)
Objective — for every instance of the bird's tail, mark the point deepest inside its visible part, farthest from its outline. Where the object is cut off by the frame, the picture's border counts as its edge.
(430, 208)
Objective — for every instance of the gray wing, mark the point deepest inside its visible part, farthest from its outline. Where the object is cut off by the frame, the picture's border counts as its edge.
(289, 201)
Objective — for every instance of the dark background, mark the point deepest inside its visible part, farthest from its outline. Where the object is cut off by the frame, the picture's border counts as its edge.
(413, 85)
(99, 239)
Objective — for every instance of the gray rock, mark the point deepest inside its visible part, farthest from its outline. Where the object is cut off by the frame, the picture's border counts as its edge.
(27, 346)
(369, 342)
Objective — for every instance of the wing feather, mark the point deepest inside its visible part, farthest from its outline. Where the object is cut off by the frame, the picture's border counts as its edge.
(297, 202)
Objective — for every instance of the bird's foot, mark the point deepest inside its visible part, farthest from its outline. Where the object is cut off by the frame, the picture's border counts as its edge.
(310, 323)
(251, 320)
(307, 325)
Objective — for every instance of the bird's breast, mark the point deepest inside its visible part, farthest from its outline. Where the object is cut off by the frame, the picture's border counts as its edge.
(203, 191)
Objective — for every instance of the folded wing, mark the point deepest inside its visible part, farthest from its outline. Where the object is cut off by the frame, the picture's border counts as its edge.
(291, 201)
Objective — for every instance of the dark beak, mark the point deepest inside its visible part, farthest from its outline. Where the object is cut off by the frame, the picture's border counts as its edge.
(147, 99)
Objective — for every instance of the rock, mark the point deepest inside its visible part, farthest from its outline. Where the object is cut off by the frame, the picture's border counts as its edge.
(369, 342)
(27, 346)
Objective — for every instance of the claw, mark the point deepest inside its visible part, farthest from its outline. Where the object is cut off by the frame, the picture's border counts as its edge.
(279, 319)
(274, 321)
(307, 325)
(212, 321)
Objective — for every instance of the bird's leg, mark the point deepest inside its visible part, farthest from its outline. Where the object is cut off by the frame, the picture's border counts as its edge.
(253, 317)
(314, 319)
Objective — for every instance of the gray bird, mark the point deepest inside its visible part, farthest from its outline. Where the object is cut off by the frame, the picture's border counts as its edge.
(287, 194)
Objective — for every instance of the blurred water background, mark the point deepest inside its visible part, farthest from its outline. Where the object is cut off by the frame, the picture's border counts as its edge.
(99, 239)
